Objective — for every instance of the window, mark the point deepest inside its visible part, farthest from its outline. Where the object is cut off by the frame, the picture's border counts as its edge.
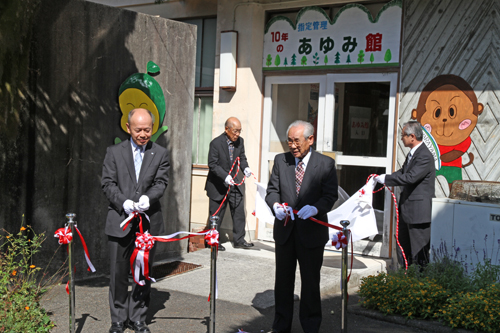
(204, 88)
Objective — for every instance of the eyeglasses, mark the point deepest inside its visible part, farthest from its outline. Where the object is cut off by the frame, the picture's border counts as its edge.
(235, 131)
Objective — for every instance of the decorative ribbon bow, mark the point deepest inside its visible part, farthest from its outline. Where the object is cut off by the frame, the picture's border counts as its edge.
(143, 244)
(65, 237)
(339, 240)
(212, 237)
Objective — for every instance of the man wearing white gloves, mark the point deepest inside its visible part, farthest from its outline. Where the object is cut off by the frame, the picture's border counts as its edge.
(417, 177)
(134, 178)
(306, 181)
(224, 150)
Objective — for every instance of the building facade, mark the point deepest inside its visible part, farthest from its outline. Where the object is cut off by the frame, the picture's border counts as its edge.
(357, 70)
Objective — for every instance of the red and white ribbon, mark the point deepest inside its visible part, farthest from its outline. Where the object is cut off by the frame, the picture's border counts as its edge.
(65, 236)
(139, 261)
(339, 240)
(124, 224)
(397, 217)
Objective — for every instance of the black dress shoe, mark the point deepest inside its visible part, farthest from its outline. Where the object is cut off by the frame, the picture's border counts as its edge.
(243, 245)
(221, 248)
(139, 327)
(117, 327)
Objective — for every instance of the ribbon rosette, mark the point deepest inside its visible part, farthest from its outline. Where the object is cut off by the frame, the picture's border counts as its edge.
(339, 240)
(212, 237)
(64, 234)
(143, 244)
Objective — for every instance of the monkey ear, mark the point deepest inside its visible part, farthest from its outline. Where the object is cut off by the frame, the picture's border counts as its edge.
(480, 108)
(414, 114)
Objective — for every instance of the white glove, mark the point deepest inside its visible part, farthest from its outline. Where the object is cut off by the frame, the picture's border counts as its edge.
(380, 179)
(143, 203)
(279, 211)
(247, 172)
(307, 211)
(229, 180)
(128, 206)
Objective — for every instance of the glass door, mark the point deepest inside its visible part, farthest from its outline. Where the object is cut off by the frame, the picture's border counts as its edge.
(359, 130)
(288, 98)
(354, 119)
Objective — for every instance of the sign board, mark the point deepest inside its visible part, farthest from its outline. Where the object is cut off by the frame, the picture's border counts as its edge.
(352, 39)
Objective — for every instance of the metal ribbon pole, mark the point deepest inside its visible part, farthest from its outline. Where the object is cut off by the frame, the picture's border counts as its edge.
(213, 278)
(345, 254)
(71, 264)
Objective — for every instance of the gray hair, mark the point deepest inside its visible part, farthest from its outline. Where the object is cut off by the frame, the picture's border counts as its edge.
(413, 127)
(308, 128)
(131, 113)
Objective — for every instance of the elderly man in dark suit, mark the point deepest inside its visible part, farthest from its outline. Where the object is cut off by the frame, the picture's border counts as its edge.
(134, 178)
(224, 150)
(417, 176)
(307, 182)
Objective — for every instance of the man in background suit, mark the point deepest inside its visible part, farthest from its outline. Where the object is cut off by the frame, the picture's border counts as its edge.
(417, 176)
(307, 182)
(134, 178)
(224, 150)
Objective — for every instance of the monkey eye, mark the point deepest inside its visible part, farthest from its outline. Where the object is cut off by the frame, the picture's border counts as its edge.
(437, 112)
(453, 111)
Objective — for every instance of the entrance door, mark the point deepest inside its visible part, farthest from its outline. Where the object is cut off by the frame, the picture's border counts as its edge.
(359, 124)
(353, 115)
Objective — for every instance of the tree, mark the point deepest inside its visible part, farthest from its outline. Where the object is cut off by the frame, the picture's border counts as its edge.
(337, 58)
(388, 55)
(361, 56)
(294, 60)
(269, 60)
(326, 59)
(348, 59)
(286, 62)
(372, 58)
(277, 60)
(303, 61)
(316, 58)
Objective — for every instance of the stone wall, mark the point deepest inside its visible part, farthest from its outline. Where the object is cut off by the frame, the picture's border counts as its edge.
(80, 54)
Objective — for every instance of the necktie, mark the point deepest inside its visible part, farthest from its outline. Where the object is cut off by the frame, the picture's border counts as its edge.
(137, 161)
(409, 157)
(231, 150)
(299, 176)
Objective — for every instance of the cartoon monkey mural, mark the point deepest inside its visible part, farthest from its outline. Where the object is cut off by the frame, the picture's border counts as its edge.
(449, 110)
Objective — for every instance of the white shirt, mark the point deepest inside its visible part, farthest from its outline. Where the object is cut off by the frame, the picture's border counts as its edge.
(305, 160)
(134, 151)
(414, 149)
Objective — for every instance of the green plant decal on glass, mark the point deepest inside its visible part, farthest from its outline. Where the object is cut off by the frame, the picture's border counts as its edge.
(285, 62)
(303, 61)
(348, 59)
(326, 59)
(294, 60)
(372, 58)
(277, 60)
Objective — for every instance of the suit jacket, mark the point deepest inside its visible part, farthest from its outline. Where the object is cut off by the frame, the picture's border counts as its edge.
(219, 165)
(319, 188)
(418, 181)
(119, 184)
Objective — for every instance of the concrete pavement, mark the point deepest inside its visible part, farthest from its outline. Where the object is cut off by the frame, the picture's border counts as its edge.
(246, 301)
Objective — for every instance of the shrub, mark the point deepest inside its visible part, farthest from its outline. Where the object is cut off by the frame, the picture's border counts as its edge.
(442, 290)
(22, 283)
